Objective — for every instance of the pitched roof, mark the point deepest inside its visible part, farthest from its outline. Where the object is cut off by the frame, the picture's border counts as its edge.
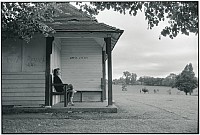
(71, 19)
(83, 26)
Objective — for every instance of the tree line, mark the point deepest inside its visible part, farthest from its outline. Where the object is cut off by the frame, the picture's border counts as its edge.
(185, 81)
(131, 79)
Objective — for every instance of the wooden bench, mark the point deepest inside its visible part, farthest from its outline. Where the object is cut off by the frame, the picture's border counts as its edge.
(82, 91)
(65, 93)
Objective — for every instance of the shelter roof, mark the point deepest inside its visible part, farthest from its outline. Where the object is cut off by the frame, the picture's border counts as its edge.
(71, 19)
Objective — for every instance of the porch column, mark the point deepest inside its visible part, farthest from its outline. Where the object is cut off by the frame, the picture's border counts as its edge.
(49, 41)
(104, 74)
(109, 53)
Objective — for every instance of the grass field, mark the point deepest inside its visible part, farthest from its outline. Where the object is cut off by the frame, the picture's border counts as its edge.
(162, 89)
(170, 113)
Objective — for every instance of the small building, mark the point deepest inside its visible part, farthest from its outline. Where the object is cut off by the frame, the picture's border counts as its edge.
(80, 48)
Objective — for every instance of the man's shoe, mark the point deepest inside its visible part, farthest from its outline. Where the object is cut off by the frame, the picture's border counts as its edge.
(72, 104)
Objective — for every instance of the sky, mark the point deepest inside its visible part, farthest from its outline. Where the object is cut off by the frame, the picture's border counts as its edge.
(140, 51)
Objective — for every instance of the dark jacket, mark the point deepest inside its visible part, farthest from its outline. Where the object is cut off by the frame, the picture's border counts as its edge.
(57, 80)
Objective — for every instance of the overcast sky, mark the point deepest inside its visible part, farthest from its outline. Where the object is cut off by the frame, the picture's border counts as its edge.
(140, 51)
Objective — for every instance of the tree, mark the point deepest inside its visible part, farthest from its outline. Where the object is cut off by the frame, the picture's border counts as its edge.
(133, 78)
(148, 80)
(186, 81)
(169, 80)
(22, 20)
(127, 77)
(183, 16)
(121, 80)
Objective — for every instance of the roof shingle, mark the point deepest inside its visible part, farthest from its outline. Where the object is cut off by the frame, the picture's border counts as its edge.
(71, 19)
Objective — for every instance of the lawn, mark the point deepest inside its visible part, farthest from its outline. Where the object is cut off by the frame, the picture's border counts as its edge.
(161, 89)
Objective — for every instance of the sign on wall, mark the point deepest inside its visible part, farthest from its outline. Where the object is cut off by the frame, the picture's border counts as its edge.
(78, 57)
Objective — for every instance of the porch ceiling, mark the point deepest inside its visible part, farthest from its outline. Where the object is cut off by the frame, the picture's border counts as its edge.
(97, 36)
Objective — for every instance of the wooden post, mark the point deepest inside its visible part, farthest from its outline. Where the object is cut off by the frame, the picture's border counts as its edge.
(51, 90)
(109, 53)
(104, 74)
(49, 41)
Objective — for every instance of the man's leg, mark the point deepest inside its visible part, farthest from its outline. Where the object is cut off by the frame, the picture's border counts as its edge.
(71, 94)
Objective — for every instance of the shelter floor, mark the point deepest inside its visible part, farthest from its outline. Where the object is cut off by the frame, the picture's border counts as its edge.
(86, 107)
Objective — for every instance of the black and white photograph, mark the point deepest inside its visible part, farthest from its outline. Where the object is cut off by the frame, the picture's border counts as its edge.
(99, 67)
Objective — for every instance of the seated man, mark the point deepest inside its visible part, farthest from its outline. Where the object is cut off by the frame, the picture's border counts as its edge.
(57, 80)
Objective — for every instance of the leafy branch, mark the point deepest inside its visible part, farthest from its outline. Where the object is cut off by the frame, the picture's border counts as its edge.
(22, 20)
(183, 16)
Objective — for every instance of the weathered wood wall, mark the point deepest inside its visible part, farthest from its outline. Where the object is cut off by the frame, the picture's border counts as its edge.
(25, 89)
(23, 72)
(81, 65)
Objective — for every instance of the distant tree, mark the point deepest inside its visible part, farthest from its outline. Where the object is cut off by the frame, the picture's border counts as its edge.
(127, 76)
(148, 80)
(145, 80)
(141, 80)
(169, 80)
(121, 80)
(133, 78)
(186, 81)
(158, 81)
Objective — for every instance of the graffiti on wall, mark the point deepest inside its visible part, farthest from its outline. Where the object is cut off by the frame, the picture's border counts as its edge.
(33, 61)
(12, 59)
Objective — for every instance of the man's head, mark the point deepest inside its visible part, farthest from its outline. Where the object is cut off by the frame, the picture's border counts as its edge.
(70, 87)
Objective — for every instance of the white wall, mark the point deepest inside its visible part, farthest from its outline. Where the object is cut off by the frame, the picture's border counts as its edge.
(81, 63)
(56, 63)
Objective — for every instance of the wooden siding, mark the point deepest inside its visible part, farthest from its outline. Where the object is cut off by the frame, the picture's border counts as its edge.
(91, 96)
(88, 96)
(23, 89)
(81, 63)
(23, 72)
